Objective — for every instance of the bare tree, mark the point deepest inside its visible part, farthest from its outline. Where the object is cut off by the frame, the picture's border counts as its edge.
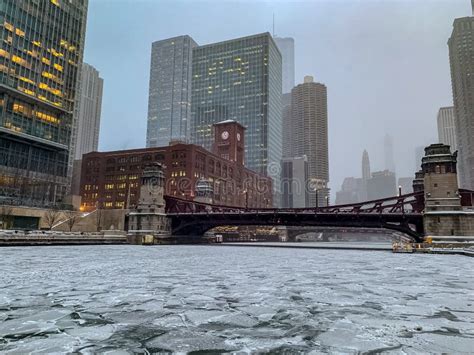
(51, 217)
(71, 219)
(98, 219)
(5, 213)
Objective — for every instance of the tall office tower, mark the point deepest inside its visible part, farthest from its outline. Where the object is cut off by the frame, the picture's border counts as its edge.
(240, 80)
(365, 165)
(388, 153)
(169, 96)
(461, 49)
(40, 57)
(88, 109)
(446, 127)
(309, 135)
(286, 125)
(287, 49)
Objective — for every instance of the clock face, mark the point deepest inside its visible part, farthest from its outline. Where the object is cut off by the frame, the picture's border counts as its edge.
(225, 135)
(238, 137)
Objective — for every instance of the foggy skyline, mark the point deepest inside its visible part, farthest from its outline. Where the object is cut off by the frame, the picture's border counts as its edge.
(385, 65)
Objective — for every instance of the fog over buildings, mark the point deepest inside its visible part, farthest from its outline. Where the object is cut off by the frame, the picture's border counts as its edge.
(385, 64)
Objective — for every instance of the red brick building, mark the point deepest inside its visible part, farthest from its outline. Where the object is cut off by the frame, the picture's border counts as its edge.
(111, 179)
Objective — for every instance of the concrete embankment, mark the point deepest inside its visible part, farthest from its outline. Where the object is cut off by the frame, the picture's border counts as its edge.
(38, 239)
(316, 245)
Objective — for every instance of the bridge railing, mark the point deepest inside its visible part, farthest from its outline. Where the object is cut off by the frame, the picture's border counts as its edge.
(408, 203)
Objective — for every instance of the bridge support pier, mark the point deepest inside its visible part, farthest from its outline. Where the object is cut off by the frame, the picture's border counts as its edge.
(444, 223)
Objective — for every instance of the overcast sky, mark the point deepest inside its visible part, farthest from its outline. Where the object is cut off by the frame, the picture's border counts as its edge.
(385, 64)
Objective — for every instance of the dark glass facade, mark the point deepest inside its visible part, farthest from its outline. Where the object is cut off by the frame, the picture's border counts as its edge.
(41, 51)
(241, 80)
(169, 98)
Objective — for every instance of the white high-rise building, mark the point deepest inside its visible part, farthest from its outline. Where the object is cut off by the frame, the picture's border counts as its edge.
(169, 98)
(88, 110)
(287, 49)
(446, 127)
(461, 47)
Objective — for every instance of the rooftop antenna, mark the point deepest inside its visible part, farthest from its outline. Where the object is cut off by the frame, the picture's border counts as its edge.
(274, 20)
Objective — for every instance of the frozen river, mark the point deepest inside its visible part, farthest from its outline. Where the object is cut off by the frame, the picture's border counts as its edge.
(224, 299)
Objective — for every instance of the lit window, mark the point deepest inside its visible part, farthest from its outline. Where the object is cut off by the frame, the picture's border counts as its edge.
(4, 53)
(26, 91)
(55, 2)
(46, 61)
(49, 75)
(58, 67)
(20, 32)
(26, 80)
(8, 26)
(46, 117)
(55, 52)
(19, 60)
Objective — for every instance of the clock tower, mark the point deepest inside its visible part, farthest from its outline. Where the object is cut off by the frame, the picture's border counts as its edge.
(229, 141)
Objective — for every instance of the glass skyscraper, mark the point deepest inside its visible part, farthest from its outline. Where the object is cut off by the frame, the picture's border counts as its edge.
(286, 46)
(88, 110)
(40, 57)
(169, 98)
(241, 80)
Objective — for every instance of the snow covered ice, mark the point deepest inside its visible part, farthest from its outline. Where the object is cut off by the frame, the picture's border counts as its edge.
(226, 299)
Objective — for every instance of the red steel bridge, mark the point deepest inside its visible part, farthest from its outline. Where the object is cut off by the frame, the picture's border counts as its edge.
(402, 213)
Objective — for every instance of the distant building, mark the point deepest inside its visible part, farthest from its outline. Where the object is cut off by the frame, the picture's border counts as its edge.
(88, 110)
(381, 185)
(294, 177)
(40, 55)
(352, 191)
(388, 153)
(461, 48)
(110, 180)
(309, 134)
(286, 46)
(240, 79)
(446, 127)
(406, 184)
(365, 166)
(419, 154)
(169, 97)
(287, 125)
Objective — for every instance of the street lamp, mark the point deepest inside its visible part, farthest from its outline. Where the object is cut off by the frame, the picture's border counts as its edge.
(399, 190)
(246, 199)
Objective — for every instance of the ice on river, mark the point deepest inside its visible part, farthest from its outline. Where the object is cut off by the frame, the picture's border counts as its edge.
(129, 299)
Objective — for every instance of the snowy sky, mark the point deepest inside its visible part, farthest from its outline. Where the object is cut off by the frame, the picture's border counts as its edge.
(385, 64)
